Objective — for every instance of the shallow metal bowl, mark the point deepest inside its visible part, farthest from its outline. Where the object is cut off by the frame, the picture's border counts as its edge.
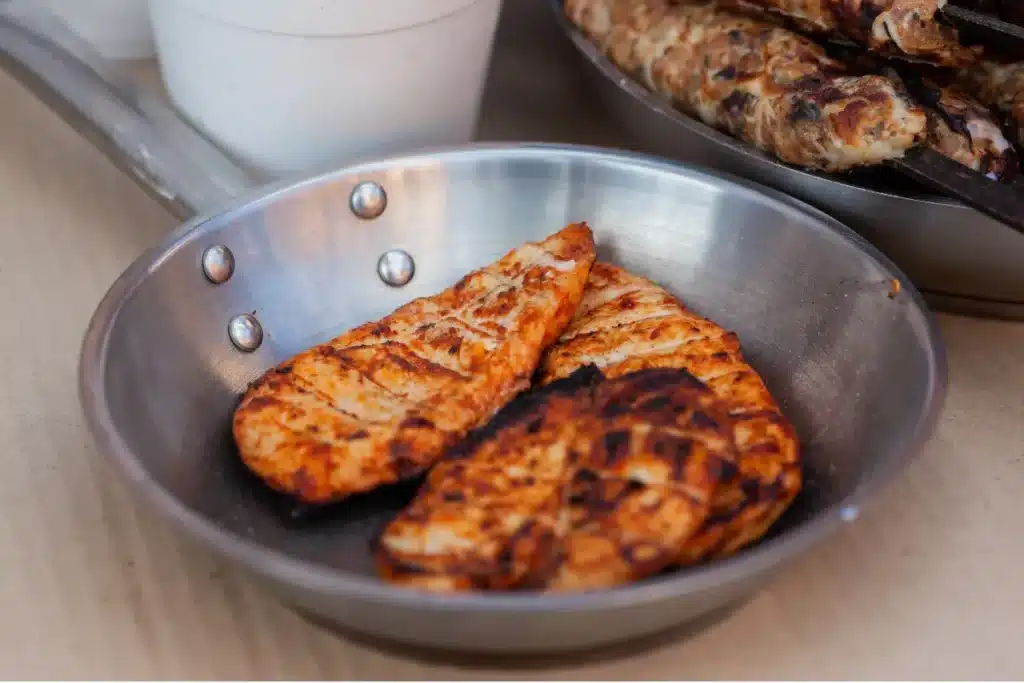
(857, 365)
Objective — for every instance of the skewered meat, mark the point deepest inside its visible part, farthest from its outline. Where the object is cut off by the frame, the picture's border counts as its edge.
(757, 81)
(898, 28)
(1000, 86)
(626, 323)
(959, 126)
(580, 485)
(382, 402)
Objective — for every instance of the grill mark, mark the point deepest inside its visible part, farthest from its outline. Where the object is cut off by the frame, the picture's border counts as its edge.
(411, 362)
(465, 325)
(338, 355)
(304, 386)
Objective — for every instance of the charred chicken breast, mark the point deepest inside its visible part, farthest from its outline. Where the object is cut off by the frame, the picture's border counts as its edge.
(580, 485)
(626, 323)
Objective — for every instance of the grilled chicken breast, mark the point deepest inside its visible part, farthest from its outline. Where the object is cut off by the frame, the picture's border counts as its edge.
(493, 512)
(754, 80)
(895, 28)
(382, 402)
(580, 485)
(626, 323)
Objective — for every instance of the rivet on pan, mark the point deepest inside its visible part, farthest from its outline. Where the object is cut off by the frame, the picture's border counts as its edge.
(396, 267)
(849, 513)
(245, 332)
(368, 200)
(218, 264)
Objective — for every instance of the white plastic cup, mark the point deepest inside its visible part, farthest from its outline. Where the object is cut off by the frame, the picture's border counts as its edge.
(117, 29)
(288, 86)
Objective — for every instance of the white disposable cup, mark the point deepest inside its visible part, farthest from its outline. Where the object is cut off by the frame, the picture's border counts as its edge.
(292, 85)
(118, 29)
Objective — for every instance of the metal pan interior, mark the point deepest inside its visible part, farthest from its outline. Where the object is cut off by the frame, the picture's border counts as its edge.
(861, 373)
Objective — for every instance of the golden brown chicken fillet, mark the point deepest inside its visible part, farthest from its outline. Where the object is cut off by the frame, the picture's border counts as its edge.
(382, 402)
(580, 485)
(626, 323)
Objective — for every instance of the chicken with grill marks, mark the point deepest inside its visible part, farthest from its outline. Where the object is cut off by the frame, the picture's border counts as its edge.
(382, 402)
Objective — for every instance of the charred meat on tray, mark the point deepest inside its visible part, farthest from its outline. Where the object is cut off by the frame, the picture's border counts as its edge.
(901, 28)
(583, 484)
(1000, 86)
(960, 126)
(755, 80)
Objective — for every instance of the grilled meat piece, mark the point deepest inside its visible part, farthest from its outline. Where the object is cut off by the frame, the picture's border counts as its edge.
(580, 485)
(626, 323)
(1000, 86)
(651, 455)
(896, 28)
(382, 402)
(959, 126)
(493, 512)
(761, 83)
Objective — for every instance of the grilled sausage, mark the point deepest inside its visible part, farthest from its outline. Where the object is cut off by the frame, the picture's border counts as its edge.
(757, 81)
(382, 402)
(897, 28)
(626, 323)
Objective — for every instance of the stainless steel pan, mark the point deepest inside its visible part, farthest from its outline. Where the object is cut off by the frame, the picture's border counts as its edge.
(858, 365)
(962, 260)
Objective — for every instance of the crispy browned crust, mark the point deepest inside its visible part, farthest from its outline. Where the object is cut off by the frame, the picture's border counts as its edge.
(651, 456)
(898, 28)
(626, 323)
(580, 485)
(755, 80)
(492, 512)
(382, 402)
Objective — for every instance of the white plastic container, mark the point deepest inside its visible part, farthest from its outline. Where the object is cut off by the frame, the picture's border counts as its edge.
(118, 29)
(292, 85)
